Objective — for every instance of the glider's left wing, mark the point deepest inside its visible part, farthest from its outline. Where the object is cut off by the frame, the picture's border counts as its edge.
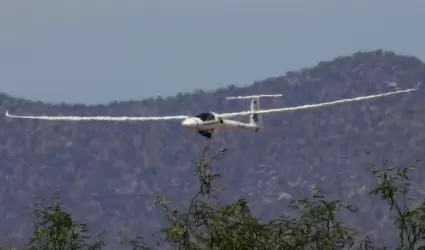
(311, 106)
(99, 118)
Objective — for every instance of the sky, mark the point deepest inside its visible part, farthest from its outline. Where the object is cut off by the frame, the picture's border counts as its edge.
(97, 51)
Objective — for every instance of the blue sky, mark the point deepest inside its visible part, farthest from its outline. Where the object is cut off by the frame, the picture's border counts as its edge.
(96, 51)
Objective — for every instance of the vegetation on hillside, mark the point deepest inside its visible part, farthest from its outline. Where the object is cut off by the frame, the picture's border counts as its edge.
(208, 224)
(107, 173)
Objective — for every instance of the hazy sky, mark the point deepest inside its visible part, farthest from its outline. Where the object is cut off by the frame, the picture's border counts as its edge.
(95, 51)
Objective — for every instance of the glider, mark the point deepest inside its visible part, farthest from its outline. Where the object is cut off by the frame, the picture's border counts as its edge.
(208, 123)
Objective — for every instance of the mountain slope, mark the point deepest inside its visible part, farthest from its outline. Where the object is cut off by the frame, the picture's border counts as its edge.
(107, 171)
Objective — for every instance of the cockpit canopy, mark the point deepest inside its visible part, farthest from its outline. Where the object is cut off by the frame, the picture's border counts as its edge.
(206, 116)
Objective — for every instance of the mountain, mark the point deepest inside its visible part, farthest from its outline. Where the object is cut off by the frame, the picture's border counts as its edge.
(107, 172)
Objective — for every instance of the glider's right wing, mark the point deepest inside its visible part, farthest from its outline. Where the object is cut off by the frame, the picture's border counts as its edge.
(99, 118)
(312, 106)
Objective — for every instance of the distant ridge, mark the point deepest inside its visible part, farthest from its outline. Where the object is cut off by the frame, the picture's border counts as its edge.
(107, 172)
(374, 53)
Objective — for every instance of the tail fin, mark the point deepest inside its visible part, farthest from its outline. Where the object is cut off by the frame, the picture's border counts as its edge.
(255, 119)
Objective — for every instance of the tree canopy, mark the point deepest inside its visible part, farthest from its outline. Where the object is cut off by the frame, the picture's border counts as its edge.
(207, 223)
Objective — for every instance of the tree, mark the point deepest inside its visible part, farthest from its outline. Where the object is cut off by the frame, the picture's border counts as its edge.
(410, 222)
(209, 224)
(56, 229)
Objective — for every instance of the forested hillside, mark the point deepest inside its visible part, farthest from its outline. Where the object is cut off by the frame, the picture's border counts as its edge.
(107, 172)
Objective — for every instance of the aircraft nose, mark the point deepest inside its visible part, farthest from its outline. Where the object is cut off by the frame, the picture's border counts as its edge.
(189, 123)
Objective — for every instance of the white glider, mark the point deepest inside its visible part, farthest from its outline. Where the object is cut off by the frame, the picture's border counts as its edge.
(209, 122)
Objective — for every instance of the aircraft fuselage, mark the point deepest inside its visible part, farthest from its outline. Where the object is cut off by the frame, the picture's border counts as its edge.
(206, 123)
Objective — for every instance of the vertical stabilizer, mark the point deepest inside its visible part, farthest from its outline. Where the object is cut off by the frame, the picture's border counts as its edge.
(255, 119)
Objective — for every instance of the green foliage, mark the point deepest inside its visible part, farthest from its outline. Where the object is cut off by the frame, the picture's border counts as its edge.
(56, 229)
(209, 224)
(317, 227)
(392, 187)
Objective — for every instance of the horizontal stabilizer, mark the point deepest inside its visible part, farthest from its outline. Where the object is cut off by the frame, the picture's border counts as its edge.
(252, 96)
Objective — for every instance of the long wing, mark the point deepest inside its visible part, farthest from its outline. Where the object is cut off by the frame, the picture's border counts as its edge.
(312, 106)
(99, 118)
